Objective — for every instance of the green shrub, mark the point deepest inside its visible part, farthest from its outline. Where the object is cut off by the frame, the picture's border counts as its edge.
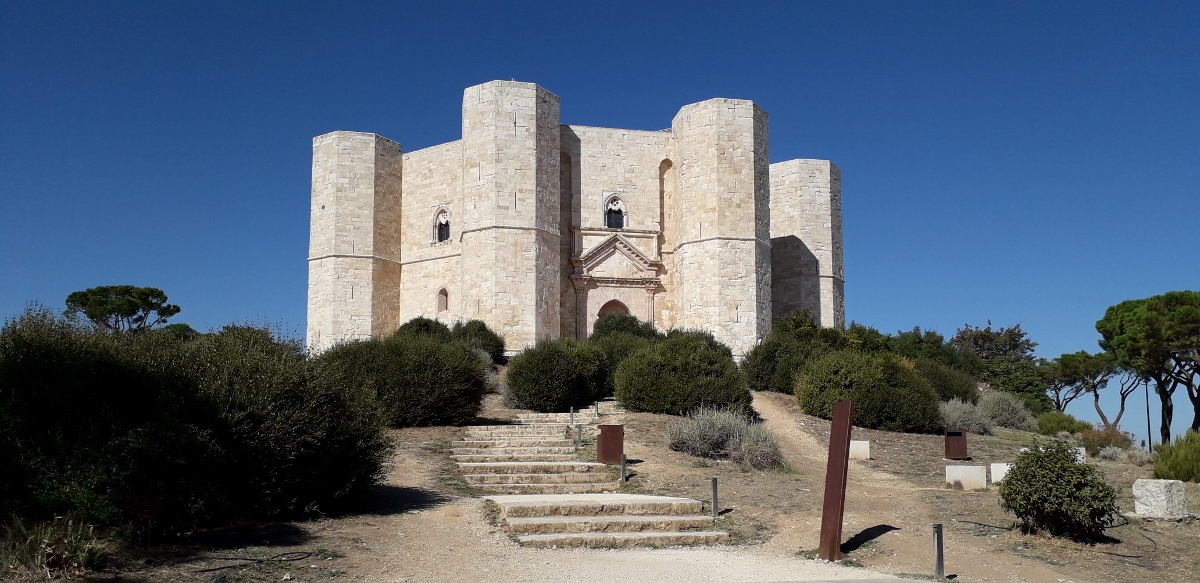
(615, 347)
(422, 326)
(919, 344)
(477, 335)
(1024, 379)
(964, 416)
(1095, 440)
(773, 365)
(1048, 491)
(418, 380)
(948, 383)
(886, 390)
(1006, 410)
(1180, 459)
(623, 324)
(682, 372)
(151, 432)
(721, 434)
(1055, 421)
(1109, 452)
(548, 377)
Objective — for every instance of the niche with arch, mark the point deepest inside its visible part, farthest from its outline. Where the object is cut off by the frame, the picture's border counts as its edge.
(612, 307)
(441, 225)
(614, 212)
(443, 300)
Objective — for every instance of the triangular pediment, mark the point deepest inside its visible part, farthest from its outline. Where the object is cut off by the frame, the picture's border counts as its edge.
(615, 256)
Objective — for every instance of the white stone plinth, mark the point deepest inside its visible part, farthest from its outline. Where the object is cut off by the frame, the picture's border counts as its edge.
(860, 450)
(1080, 454)
(971, 477)
(1000, 470)
(1160, 499)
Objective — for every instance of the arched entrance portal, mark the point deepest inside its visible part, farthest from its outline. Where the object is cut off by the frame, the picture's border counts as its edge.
(612, 307)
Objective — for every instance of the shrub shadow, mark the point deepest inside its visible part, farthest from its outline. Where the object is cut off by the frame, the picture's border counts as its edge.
(386, 499)
(866, 535)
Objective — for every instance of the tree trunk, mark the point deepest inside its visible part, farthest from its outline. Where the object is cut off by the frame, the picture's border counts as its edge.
(1168, 408)
(1100, 412)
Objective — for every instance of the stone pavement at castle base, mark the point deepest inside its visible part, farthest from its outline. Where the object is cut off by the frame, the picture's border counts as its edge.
(548, 497)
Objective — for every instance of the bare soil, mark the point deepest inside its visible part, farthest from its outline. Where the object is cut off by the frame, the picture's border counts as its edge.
(424, 525)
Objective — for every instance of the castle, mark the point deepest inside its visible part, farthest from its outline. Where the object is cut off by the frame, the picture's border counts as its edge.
(539, 228)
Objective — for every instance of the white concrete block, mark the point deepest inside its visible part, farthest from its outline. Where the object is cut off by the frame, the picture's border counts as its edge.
(860, 450)
(999, 470)
(1160, 499)
(1080, 455)
(971, 477)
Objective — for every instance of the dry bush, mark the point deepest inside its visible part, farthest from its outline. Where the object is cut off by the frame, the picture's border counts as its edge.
(965, 416)
(722, 434)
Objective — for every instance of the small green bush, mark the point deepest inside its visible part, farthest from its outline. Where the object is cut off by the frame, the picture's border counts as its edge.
(616, 347)
(1055, 421)
(947, 382)
(477, 335)
(1095, 440)
(1048, 491)
(1006, 410)
(886, 390)
(422, 326)
(773, 365)
(1180, 459)
(549, 377)
(964, 416)
(680, 373)
(720, 434)
(624, 324)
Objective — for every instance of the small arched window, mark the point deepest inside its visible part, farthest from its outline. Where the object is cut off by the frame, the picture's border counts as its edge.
(443, 300)
(614, 214)
(443, 226)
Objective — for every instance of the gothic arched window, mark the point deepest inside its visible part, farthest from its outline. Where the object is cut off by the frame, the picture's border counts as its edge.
(443, 226)
(614, 214)
(443, 300)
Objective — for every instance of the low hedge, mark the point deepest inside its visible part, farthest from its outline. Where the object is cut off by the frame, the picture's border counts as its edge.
(887, 391)
(947, 382)
(1056, 421)
(684, 371)
(477, 335)
(615, 348)
(422, 326)
(623, 324)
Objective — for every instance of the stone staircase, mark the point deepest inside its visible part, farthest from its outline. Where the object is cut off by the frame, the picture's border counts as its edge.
(534, 455)
(605, 520)
(549, 497)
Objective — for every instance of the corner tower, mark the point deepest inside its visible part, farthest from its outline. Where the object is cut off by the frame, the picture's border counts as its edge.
(354, 238)
(723, 258)
(510, 214)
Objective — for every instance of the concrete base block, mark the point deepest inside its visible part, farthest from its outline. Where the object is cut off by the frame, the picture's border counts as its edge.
(1080, 455)
(971, 477)
(1000, 470)
(1160, 499)
(860, 450)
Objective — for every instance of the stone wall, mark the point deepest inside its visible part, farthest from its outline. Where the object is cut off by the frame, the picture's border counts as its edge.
(806, 240)
(432, 183)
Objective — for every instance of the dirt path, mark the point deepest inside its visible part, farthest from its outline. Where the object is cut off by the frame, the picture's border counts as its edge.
(884, 503)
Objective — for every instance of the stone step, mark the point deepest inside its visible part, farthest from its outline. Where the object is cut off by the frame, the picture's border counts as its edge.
(513, 450)
(567, 478)
(594, 505)
(533, 467)
(514, 457)
(623, 539)
(514, 442)
(549, 489)
(555, 418)
(605, 523)
(532, 429)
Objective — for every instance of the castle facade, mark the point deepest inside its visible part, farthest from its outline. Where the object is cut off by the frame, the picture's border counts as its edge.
(539, 228)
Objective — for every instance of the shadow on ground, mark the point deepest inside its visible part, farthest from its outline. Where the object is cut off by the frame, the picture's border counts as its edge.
(865, 536)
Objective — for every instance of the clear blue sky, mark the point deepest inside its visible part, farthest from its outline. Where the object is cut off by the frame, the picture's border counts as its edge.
(1030, 162)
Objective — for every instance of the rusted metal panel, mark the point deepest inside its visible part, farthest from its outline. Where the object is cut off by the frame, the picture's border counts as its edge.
(611, 444)
(834, 506)
(956, 445)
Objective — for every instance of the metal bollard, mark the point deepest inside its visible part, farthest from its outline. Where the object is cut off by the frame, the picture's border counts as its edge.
(578, 436)
(939, 566)
(596, 408)
(714, 502)
(572, 421)
(623, 473)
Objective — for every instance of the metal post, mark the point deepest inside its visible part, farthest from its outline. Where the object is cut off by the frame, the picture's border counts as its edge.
(623, 474)
(596, 408)
(578, 436)
(939, 566)
(572, 421)
(714, 504)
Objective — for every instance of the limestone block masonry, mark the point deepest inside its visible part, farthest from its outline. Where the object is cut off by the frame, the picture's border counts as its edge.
(1160, 499)
(538, 228)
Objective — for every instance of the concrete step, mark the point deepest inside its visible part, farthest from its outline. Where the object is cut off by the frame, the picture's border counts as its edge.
(533, 468)
(549, 489)
(567, 478)
(514, 457)
(605, 523)
(594, 505)
(623, 539)
(533, 429)
(515, 450)
(555, 418)
(510, 442)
